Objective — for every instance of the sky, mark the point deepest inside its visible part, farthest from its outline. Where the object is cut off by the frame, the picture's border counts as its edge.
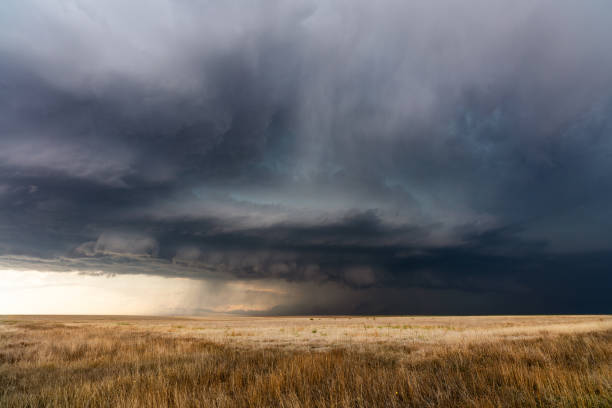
(279, 157)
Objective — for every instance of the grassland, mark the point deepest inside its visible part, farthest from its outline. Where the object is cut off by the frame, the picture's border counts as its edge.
(86, 361)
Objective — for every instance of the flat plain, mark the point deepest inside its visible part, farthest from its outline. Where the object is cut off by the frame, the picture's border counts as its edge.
(338, 361)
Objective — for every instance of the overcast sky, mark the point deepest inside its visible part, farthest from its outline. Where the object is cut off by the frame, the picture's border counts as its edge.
(310, 156)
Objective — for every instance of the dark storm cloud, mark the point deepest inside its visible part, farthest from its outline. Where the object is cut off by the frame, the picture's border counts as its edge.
(403, 151)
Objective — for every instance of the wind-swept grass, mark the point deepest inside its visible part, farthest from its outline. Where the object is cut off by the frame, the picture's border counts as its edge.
(99, 364)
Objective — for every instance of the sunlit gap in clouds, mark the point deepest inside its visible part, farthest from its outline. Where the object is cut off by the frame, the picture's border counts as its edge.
(43, 292)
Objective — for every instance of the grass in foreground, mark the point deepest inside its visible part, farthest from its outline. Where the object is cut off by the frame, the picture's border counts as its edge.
(51, 362)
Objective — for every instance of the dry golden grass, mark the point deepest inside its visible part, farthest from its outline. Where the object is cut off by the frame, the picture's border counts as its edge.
(58, 361)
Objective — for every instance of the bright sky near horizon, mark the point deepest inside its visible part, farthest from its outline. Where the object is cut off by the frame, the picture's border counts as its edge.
(35, 292)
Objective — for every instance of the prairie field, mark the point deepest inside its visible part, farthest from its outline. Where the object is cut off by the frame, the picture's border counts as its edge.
(342, 361)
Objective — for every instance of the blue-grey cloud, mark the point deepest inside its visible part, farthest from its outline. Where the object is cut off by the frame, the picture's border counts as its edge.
(454, 150)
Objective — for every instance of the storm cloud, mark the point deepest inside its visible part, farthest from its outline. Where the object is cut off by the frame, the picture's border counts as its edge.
(381, 157)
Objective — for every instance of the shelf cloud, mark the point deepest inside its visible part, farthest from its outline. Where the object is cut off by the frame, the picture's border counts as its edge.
(388, 157)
